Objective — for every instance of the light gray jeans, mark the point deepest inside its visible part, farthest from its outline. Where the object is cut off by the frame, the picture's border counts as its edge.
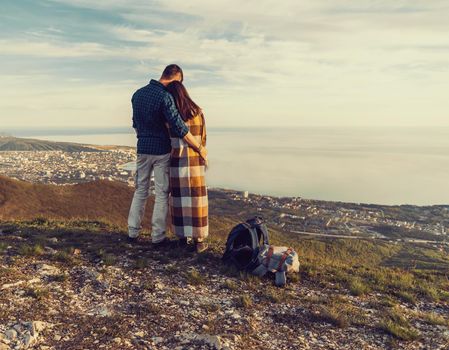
(146, 163)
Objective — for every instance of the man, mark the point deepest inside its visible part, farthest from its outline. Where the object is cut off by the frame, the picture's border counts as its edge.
(153, 108)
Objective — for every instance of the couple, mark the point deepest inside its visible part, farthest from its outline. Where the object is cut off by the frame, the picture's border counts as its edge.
(171, 140)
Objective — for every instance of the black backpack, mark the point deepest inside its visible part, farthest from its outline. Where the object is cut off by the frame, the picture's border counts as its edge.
(244, 244)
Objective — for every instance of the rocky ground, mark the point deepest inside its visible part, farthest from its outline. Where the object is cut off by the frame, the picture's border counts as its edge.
(76, 288)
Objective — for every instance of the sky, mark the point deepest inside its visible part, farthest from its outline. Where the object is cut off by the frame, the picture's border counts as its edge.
(76, 63)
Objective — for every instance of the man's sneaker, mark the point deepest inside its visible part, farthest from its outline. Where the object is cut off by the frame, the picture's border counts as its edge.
(162, 244)
(130, 239)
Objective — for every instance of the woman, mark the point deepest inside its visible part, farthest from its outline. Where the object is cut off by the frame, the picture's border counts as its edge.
(188, 192)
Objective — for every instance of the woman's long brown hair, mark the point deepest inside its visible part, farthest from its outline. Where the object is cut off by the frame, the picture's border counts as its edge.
(186, 107)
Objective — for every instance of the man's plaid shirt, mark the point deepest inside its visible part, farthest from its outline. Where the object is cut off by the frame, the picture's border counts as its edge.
(153, 107)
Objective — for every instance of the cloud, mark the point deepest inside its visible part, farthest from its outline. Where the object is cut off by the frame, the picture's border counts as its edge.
(310, 62)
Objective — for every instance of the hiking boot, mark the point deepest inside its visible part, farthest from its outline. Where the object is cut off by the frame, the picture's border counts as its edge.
(201, 247)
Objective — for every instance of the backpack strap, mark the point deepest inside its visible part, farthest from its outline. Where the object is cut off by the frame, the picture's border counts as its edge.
(283, 258)
(269, 255)
(264, 230)
(256, 223)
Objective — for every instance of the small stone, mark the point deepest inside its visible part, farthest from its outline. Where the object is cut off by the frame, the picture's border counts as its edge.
(205, 327)
(4, 346)
(236, 316)
(117, 340)
(28, 339)
(57, 337)
(11, 285)
(39, 326)
(76, 251)
(211, 340)
(11, 334)
(157, 340)
(140, 334)
(48, 270)
(159, 286)
(103, 311)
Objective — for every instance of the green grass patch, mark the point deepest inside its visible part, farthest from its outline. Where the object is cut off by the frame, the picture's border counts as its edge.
(357, 287)
(31, 250)
(107, 258)
(141, 263)
(396, 324)
(3, 247)
(193, 277)
(408, 297)
(230, 284)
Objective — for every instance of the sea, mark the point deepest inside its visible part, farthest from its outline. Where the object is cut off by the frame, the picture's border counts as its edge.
(376, 165)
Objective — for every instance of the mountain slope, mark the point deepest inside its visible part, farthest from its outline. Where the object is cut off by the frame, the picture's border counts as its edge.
(99, 200)
(9, 143)
(88, 285)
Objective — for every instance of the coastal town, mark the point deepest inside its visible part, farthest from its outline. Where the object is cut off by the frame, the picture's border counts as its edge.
(416, 224)
(62, 168)
(294, 214)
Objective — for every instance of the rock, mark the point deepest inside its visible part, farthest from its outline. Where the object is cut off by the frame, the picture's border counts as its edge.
(48, 270)
(76, 251)
(211, 340)
(11, 334)
(4, 346)
(38, 326)
(140, 334)
(50, 250)
(53, 240)
(57, 337)
(28, 339)
(103, 311)
(236, 316)
(159, 286)
(11, 285)
(157, 340)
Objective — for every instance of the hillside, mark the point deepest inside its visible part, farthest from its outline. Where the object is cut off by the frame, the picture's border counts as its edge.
(66, 266)
(100, 200)
(9, 143)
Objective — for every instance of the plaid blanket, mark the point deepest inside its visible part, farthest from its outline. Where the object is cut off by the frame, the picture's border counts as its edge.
(188, 192)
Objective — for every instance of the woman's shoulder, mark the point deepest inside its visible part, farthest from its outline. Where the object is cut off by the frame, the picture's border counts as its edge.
(197, 119)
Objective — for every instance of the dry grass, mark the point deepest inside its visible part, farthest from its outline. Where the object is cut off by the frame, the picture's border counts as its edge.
(396, 324)
(193, 277)
(244, 301)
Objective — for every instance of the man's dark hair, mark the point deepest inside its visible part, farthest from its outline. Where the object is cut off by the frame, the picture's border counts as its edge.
(171, 70)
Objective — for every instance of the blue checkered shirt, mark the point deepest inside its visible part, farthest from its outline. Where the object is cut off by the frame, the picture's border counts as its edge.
(153, 107)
